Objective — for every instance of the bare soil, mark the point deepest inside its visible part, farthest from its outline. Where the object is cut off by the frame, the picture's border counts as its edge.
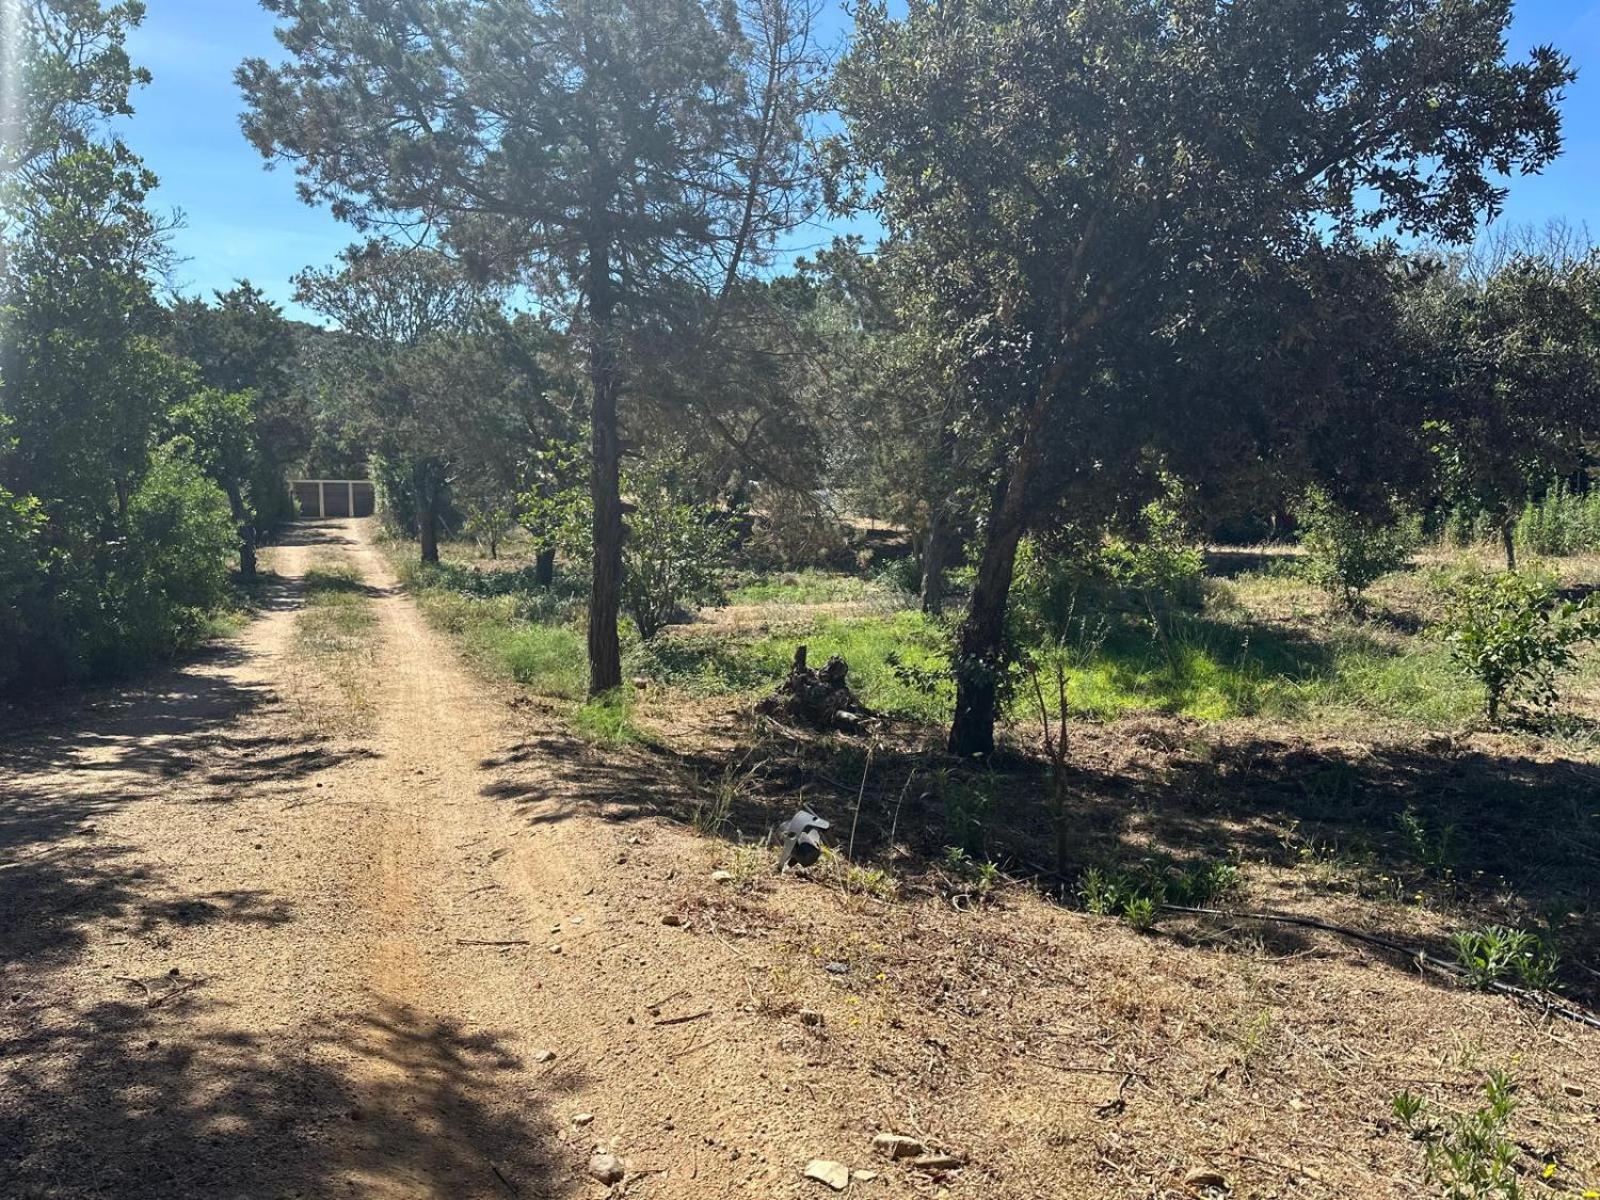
(250, 947)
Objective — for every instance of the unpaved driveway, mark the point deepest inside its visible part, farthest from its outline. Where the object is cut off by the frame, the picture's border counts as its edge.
(245, 955)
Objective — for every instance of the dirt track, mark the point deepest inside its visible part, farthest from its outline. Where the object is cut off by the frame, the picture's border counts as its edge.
(251, 950)
(242, 958)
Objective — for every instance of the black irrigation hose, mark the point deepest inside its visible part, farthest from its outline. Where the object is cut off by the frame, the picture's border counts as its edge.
(1522, 995)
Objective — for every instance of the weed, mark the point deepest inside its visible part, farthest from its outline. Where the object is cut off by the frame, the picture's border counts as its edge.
(714, 809)
(748, 867)
(1434, 852)
(1139, 895)
(804, 587)
(1471, 1155)
(1141, 912)
(608, 719)
(1494, 953)
(979, 875)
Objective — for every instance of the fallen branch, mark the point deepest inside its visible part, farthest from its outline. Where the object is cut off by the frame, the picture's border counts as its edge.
(682, 1020)
(1422, 957)
(483, 942)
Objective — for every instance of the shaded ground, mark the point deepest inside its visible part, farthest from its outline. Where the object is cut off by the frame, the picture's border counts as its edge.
(249, 950)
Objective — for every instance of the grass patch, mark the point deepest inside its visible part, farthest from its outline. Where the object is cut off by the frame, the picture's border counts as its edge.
(507, 633)
(608, 720)
(888, 657)
(336, 631)
(337, 618)
(804, 587)
(1208, 667)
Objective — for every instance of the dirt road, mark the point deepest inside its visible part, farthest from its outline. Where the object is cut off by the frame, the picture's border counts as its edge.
(244, 955)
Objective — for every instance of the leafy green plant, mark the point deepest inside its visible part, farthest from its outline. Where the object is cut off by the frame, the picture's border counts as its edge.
(1471, 1155)
(608, 719)
(1434, 850)
(1514, 635)
(1494, 953)
(1346, 551)
(1141, 912)
(980, 875)
(1138, 895)
(677, 548)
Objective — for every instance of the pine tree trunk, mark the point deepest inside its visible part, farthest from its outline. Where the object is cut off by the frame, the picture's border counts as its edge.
(980, 653)
(1508, 539)
(544, 568)
(605, 484)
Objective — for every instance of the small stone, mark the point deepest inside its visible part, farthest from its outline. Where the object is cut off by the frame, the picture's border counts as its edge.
(897, 1145)
(936, 1162)
(555, 948)
(1203, 1179)
(836, 968)
(582, 1119)
(836, 1175)
(673, 919)
(814, 1019)
(544, 1056)
(1572, 1089)
(722, 877)
(607, 1168)
(863, 1176)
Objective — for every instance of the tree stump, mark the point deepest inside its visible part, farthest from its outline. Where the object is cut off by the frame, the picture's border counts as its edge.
(821, 699)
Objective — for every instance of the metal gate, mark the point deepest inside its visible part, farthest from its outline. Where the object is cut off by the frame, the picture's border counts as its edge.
(322, 499)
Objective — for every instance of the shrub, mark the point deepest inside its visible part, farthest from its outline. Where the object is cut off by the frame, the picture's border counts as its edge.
(1515, 636)
(21, 577)
(171, 575)
(1346, 551)
(676, 552)
(1561, 522)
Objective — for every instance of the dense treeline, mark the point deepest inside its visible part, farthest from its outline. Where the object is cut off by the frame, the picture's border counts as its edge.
(1138, 277)
(142, 443)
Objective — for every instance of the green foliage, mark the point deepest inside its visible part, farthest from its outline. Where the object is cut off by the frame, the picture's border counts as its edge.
(1138, 894)
(1561, 522)
(899, 664)
(1494, 953)
(1347, 551)
(174, 573)
(804, 587)
(22, 575)
(607, 719)
(677, 550)
(979, 875)
(1514, 635)
(1471, 1155)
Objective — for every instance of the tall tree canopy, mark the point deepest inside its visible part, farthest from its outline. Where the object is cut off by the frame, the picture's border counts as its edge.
(1077, 176)
(394, 303)
(620, 157)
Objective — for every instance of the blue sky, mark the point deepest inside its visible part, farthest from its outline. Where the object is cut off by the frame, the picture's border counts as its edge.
(245, 222)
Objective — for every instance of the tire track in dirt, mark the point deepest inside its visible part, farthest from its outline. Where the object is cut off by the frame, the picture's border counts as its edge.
(223, 935)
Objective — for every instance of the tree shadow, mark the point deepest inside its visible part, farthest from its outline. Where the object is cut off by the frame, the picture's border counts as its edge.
(122, 1101)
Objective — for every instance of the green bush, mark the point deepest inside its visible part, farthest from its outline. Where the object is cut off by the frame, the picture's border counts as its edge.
(1346, 551)
(676, 552)
(1515, 636)
(21, 578)
(174, 573)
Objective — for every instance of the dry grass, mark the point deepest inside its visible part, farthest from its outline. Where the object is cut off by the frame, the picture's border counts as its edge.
(335, 641)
